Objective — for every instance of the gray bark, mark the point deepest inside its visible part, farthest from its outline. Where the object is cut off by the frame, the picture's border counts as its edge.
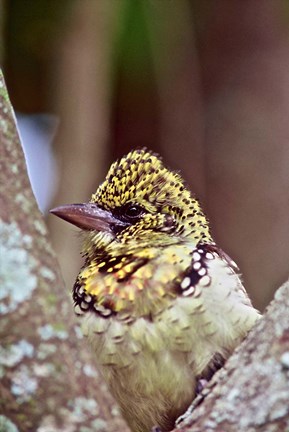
(47, 378)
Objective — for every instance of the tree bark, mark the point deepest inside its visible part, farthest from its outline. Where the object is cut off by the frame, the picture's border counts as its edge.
(47, 378)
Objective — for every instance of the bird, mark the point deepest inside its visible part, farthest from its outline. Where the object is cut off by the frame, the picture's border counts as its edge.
(162, 305)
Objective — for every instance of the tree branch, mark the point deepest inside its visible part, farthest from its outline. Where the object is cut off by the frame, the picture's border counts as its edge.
(47, 378)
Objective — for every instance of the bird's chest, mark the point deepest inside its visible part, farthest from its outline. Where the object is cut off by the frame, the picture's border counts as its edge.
(152, 349)
(151, 360)
(147, 365)
(138, 286)
(153, 318)
(121, 341)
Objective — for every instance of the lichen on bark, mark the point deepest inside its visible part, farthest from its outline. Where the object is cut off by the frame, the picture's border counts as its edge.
(47, 377)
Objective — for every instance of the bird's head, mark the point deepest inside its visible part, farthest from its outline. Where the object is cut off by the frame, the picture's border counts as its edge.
(140, 202)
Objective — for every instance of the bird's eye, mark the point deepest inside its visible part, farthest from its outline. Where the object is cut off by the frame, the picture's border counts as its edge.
(129, 212)
(133, 211)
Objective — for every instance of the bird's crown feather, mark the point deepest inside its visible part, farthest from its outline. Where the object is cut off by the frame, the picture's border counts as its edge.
(140, 175)
(139, 182)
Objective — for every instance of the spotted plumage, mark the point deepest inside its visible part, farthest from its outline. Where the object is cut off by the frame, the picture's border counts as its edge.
(162, 306)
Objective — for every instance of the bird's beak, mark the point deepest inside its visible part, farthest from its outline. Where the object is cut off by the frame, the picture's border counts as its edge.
(88, 216)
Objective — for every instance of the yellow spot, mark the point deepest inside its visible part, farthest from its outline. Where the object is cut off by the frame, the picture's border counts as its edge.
(121, 274)
(94, 290)
(131, 295)
(111, 288)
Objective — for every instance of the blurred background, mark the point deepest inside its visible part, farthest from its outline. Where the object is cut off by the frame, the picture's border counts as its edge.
(204, 83)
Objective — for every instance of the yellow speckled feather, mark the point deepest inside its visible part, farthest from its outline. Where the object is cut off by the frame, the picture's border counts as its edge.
(160, 303)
